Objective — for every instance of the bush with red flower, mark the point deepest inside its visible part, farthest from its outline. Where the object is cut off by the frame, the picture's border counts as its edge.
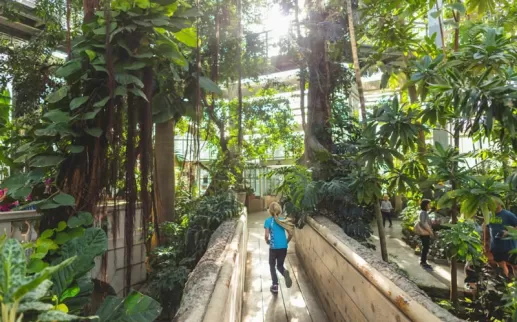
(7, 203)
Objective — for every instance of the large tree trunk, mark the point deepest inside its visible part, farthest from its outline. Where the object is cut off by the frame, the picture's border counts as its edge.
(165, 178)
(89, 7)
(318, 132)
(355, 56)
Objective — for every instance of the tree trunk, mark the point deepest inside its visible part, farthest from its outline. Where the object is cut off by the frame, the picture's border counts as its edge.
(380, 227)
(454, 219)
(318, 113)
(89, 7)
(165, 176)
(355, 56)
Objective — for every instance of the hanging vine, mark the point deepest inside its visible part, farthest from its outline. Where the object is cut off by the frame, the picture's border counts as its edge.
(108, 83)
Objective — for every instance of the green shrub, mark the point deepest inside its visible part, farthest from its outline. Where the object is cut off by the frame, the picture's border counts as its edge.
(23, 296)
(185, 243)
(463, 242)
(410, 215)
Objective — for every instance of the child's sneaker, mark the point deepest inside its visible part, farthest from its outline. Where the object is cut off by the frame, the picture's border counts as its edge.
(288, 280)
(274, 289)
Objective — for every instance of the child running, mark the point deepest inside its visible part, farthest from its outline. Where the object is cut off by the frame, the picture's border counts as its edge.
(277, 235)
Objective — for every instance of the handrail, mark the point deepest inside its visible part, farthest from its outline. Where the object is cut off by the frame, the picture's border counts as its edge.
(8, 216)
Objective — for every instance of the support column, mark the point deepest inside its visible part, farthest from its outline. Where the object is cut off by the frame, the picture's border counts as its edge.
(433, 27)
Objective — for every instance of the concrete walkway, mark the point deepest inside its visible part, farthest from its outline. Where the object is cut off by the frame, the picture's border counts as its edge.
(296, 304)
(404, 256)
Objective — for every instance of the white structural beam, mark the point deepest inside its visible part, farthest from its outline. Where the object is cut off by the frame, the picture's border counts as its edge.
(439, 135)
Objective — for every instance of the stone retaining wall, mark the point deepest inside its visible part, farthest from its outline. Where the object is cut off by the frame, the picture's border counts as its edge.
(214, 289)
(354, 285)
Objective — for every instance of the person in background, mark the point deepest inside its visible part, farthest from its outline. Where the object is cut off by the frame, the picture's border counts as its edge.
(386, 209)
(425, 224)
(500, 246)
(278, 238)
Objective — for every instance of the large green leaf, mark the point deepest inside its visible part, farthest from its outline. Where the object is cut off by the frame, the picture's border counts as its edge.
(52, 316)
(92, 244)
(75, 148)
(78, 101)
(12, 272)
(82, 218)
(170, 50)
(35, 306)
(76, 301)
(34, 281)
(163, 108)
(38, 292)
(43, 161)
(138, 92)
(102, 30)
(63, 129)
(208, 85)
(187, 36)
(96, 132)
(136, 307)
(102, 102)
(92, 114)
(135, 66)
(69, 68)
(65, 199)
(58, 95)
(127, 79)
(57, 116)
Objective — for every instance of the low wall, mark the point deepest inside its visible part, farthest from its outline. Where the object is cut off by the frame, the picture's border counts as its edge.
(214, 289)
(115, 271)
(354, 285)
(22, 225)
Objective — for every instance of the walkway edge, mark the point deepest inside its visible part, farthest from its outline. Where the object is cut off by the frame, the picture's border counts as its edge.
(411, 308)
(226, 299)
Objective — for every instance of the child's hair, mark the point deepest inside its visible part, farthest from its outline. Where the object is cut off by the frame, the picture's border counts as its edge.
(275, 209)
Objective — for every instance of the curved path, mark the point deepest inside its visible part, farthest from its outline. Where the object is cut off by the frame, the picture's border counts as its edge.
(296, 304)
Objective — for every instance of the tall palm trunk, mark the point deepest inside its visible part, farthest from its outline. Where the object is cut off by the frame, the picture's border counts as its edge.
(355, 56)
(165, 176)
